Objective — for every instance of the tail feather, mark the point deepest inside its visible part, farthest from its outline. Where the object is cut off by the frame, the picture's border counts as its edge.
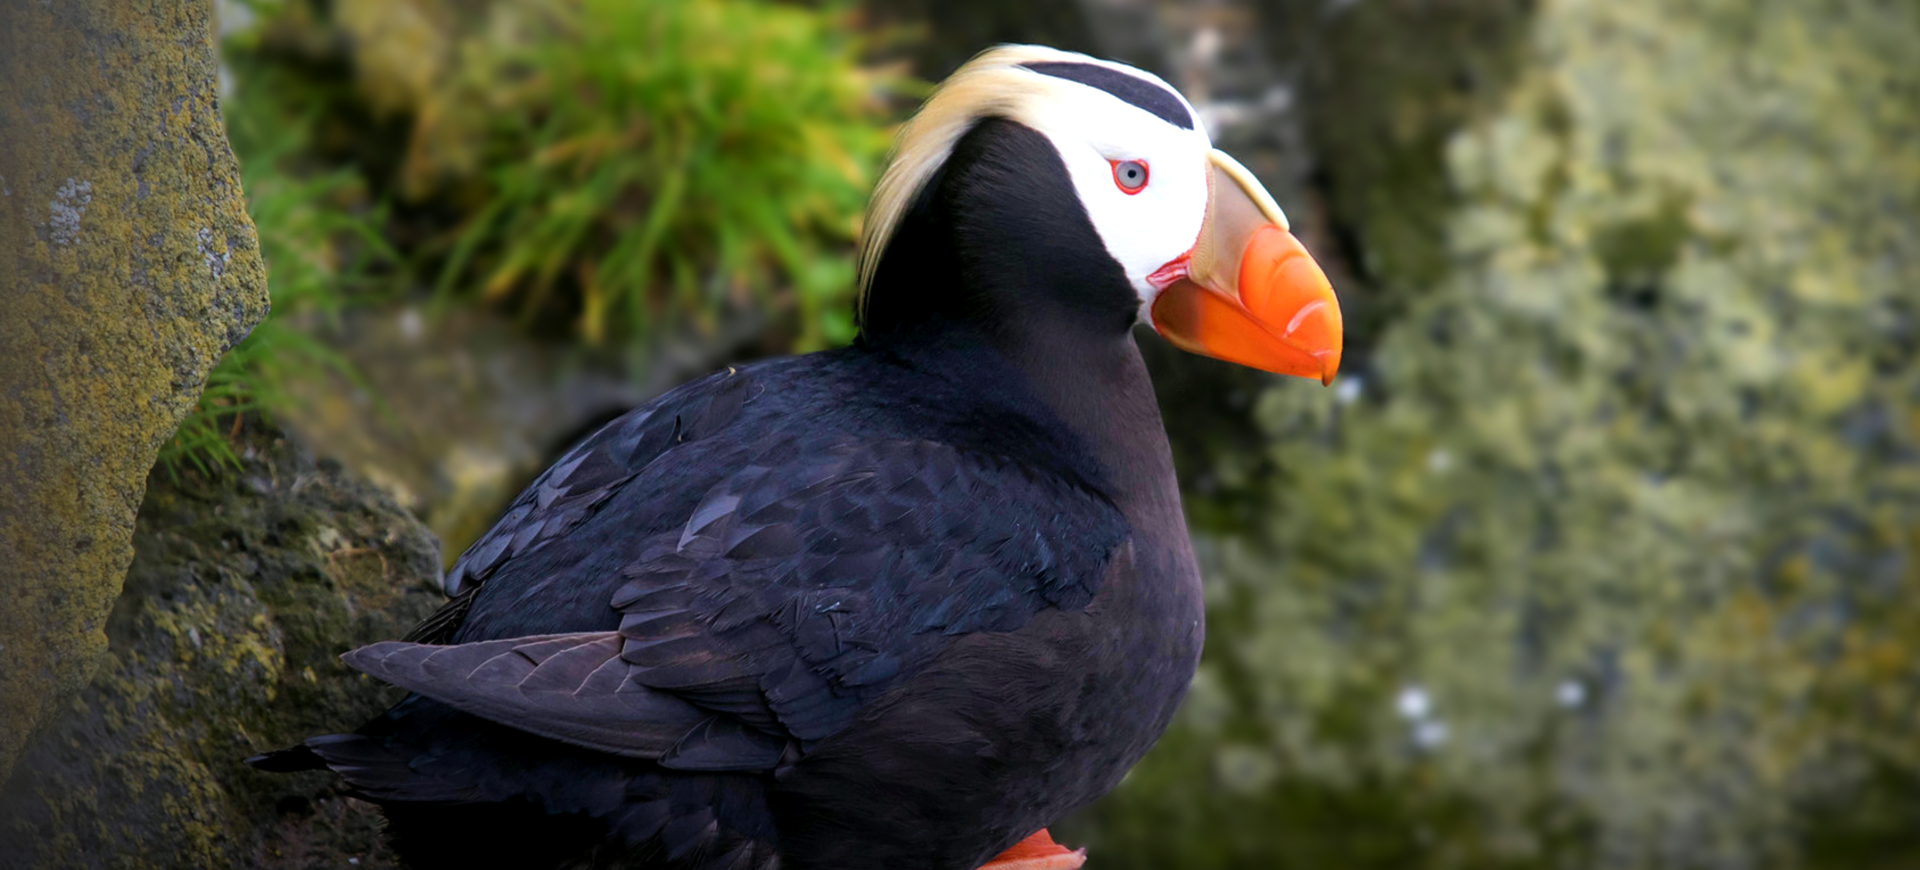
(460, 792)
(371, 769)
(292, 759)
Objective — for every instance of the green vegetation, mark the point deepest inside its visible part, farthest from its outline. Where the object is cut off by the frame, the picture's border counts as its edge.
(665, 159)
(627, 170)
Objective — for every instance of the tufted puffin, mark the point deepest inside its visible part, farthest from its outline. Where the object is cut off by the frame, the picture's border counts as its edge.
(893, 606)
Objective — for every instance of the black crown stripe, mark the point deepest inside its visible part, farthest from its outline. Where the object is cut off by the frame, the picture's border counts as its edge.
(1153, 98)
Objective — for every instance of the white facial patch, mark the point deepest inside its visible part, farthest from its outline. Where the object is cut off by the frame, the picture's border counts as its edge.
(1145, 230)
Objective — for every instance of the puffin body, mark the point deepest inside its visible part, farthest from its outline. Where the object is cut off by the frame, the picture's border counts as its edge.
(897, 605)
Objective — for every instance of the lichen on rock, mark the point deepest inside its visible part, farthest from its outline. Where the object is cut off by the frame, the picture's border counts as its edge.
(1609, 557)
(128, 265)
(244, 590)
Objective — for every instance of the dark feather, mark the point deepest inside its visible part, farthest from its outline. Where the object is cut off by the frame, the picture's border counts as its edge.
(573, 688)
(440, 625)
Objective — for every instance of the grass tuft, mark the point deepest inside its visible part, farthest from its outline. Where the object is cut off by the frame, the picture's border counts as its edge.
(654, 163)
(318, 244)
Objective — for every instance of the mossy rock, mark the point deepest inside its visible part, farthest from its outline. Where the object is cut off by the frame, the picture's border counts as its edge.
(244, 590)
(1605, 549)
(128, 265)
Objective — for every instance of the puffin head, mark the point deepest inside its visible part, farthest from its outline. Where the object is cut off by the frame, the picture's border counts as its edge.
(1036, 182)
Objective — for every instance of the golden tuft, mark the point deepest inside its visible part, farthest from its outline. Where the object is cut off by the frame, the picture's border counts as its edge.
(991, 85)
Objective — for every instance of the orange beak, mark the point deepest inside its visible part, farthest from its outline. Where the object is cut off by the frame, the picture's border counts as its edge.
(1251, 294)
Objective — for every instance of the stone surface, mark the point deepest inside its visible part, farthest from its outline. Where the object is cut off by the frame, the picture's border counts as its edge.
(1602, 550)
(127, 266)
(244, 591)
(454, 414)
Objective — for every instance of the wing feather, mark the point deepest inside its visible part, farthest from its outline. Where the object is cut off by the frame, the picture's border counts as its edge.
(757, 593)
(574, 688)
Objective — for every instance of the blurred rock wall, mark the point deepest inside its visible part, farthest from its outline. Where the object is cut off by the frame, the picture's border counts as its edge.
(1602, 552)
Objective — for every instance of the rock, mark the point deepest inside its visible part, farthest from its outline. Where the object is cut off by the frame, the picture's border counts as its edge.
(244, 590)
(454, 414)
(127, 266)
(1607, 556)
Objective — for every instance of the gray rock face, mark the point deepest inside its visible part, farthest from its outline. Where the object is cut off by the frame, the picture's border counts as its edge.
(127, 266)
(243, 592)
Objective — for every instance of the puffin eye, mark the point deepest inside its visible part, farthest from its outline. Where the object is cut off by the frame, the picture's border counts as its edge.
(1129, 175)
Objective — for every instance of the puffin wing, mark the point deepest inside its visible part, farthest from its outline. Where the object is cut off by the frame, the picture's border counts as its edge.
(570, 687)
(583, 481)
(800, 588)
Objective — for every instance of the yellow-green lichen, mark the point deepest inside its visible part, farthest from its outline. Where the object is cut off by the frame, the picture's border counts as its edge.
(127, 265)
(244, 589)
(1610, 560)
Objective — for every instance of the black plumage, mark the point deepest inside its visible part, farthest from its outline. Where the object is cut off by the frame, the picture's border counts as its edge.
(896, 605)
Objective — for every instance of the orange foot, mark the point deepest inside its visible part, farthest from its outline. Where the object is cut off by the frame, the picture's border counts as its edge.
(1038, 852)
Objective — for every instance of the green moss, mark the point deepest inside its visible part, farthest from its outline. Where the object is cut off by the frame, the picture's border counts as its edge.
(1636, 252)
(1609, 562)
(244, 590)
(1385, 84)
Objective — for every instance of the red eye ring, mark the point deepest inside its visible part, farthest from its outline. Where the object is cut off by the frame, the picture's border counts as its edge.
(1121, 183)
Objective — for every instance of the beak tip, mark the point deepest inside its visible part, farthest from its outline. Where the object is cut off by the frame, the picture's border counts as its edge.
(1281, 316)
